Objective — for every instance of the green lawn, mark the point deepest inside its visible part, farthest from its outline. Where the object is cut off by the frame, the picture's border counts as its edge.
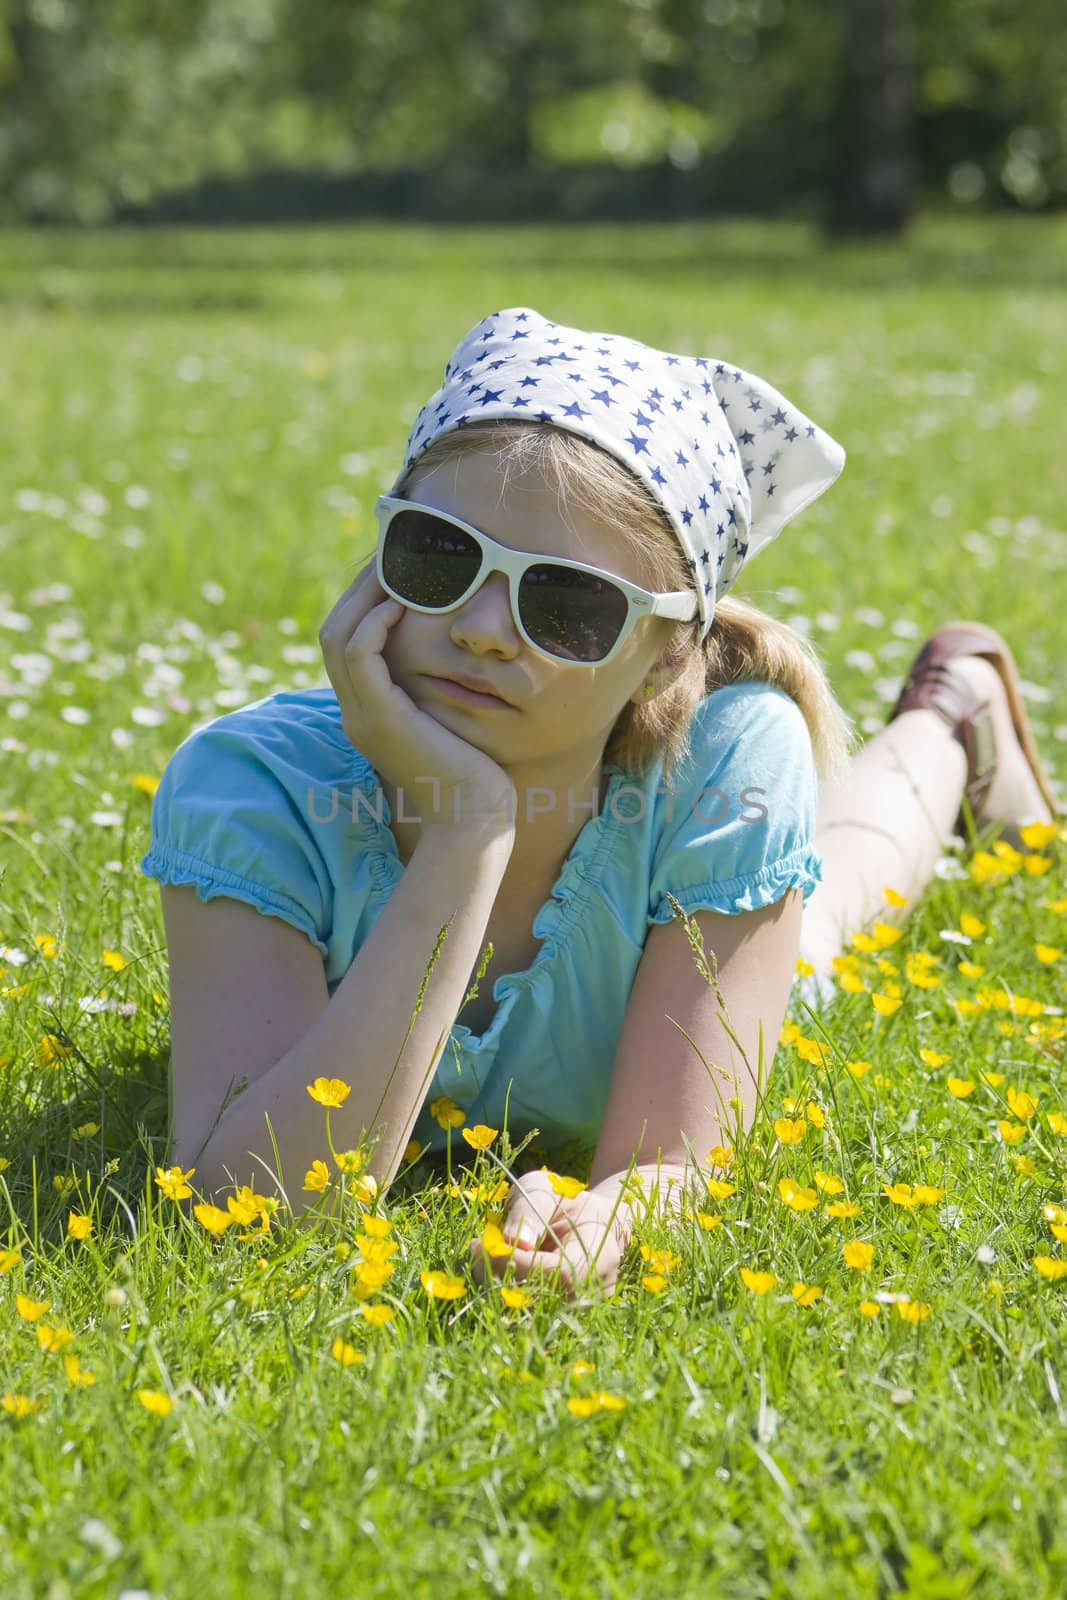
(196, 427)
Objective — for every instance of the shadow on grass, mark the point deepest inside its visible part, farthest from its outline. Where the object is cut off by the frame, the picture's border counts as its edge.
(132, 269)
(129, 1104)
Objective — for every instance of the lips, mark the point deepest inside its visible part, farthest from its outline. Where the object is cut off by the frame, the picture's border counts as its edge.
(478, 685)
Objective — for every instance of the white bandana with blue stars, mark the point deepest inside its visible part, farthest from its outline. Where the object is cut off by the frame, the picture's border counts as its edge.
(730, 459)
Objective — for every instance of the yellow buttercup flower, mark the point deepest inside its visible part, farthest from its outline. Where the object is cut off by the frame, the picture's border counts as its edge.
(806, 1294)
(1021, 1104)
(379, 1313)
(857, 1068)
(913, 1311)
(349, 1160)
(894, 897)
(514, 1299)
(346, 1354)
(758, 1282)
(76, 1374)
(78, 1227)
(660, 1260)
(247, 1207)
(19, 1405)
(870, 1308)
(375, 1249)
(858, 1254)
(480, 1137)
(174, 1182)
(29, 1309)
(814, 1051)
(654, 1282)
(1047, 953)
(970, 969)
(828, 1183)
(377, 1227)
(51, 1339)
(213, 1218)
(365, 1189)
(885, 1005)
(707, 1221)
(9, 1259)
(843, 1208)
(494, 1243)
(790, 1130)
(795, 1197)
(317, 1177)
(567, 1187)
(930, 1058)
(446, 1113)
(719, 1189)
(370, 1276)
(330, 1092)
(1049, 1267)
(971, 926)
(161, 1405)
(1035, 835)
(960, 1088)
(585, 1405)
(1012, 1132)
(441, 1285)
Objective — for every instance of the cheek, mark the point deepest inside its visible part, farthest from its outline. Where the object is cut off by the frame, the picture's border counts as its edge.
(401, 643)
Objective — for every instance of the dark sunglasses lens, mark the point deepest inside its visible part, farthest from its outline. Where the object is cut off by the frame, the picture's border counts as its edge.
(427, 560)
(574, 615)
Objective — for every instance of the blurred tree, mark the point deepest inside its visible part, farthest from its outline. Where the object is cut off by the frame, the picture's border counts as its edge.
(872, 183)
(718, 104)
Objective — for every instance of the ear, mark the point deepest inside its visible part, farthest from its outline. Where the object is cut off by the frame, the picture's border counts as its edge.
(657, 679)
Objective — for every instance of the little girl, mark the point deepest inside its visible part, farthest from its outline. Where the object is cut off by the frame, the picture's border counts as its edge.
(546, 726)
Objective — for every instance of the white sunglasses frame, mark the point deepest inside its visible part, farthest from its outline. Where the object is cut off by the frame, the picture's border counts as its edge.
(680, 604)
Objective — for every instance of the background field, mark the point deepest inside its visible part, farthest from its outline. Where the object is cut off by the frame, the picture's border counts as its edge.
(195, 428)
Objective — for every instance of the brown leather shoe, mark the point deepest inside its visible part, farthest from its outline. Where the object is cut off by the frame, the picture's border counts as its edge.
(931, 685)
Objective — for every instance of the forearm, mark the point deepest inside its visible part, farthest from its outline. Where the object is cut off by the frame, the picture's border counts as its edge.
(361, 1031)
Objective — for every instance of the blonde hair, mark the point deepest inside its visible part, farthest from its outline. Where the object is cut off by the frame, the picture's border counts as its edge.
(743, 643)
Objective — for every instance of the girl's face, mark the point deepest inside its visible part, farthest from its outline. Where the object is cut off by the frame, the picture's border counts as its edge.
(559, 712)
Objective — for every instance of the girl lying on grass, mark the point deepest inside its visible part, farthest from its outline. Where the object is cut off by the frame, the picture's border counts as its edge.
(548, 725)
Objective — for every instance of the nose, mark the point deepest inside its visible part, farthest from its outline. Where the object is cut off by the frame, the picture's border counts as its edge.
(485, 619)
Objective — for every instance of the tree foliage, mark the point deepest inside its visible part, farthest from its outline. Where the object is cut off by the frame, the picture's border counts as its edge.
(109, 103)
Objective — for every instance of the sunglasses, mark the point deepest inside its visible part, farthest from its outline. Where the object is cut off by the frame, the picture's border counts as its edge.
(565, 610)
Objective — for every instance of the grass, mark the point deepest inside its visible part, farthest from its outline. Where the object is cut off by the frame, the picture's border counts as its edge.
(198, 425)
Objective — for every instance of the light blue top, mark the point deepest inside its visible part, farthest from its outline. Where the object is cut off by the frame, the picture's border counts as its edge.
(272, 804)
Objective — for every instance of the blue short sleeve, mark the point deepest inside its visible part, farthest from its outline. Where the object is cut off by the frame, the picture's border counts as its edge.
(736, 827)
(231, 817)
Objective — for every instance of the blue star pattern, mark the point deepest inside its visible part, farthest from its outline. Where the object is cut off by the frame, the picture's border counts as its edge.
(729, 459)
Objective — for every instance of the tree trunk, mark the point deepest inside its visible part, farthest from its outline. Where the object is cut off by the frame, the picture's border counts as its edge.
(873, 180)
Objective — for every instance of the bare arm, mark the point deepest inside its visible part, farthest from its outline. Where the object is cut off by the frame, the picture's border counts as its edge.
(357, 1035)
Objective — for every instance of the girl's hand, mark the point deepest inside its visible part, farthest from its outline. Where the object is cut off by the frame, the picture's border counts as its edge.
(591, 1246)
(401, 742)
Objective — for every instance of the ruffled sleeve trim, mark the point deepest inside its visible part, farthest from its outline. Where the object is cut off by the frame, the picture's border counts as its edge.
(180, 869)
(802, 869)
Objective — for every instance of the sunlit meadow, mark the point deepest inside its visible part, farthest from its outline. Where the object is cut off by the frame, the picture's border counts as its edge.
(846, 1367)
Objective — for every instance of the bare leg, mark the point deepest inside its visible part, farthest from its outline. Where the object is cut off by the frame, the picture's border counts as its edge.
(891, 818)
(885, 825)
